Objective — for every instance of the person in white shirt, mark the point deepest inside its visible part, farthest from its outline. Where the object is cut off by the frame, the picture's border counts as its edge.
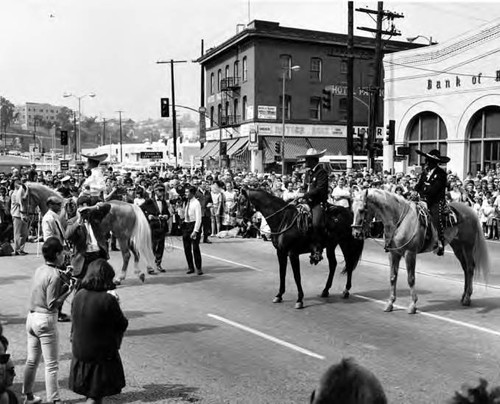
(341, 194)
(289, 194)
(191, 233)
(51, 225)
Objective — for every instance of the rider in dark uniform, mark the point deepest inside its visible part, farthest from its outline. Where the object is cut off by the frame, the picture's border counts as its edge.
(432, 188)
(316, 182)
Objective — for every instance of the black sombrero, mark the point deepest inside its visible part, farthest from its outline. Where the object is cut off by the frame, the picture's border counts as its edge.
(435, 155)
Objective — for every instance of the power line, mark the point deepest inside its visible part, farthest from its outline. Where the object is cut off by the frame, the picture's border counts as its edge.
(440, 71)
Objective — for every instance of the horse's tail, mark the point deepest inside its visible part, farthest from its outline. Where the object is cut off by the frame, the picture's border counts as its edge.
(141, 240)
(353, 256)
(480, 252)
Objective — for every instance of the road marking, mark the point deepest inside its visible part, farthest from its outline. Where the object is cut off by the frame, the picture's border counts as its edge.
(225, 260)
(436, 317)
(266, 336)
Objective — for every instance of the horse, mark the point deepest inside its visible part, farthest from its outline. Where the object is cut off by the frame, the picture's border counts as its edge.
(290, 240)
(348, 382)
(126, 221)
(408, 231)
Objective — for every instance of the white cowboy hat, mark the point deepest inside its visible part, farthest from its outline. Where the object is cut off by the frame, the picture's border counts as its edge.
(310, 153)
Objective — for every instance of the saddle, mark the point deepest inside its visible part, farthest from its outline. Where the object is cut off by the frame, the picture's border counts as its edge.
(304, 218)
(450, 219)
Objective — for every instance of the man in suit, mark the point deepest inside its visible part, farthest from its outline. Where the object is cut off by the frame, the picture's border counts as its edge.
(316, 181)
(84, 233)
(204, 195)
(51, 224)
(432, 188)
(191, 231)
(157, 213)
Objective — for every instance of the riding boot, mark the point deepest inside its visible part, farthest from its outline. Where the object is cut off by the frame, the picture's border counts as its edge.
(440, 247)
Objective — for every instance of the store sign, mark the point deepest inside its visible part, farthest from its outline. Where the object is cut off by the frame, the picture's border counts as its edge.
(458, 81)
(253, 143)
(151, 154)
(64, 165)
(266, 112)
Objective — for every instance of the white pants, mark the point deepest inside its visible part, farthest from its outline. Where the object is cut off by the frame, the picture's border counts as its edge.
(43, 339)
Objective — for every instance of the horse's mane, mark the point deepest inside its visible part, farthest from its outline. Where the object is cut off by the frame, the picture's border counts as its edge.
(43, 188)
(382, 194)
(273, 200)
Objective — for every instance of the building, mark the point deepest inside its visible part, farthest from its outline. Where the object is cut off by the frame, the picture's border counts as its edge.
(252, 75)
(45, 113)
(446, 96)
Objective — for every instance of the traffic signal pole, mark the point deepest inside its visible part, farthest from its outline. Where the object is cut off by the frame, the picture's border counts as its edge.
(350, 85)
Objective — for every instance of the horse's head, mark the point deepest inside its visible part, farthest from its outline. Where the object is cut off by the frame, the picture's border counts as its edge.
(244, 208)
(360, 212)
(26, 203)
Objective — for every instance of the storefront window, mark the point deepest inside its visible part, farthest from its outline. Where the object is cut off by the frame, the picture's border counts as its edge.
(426, 131)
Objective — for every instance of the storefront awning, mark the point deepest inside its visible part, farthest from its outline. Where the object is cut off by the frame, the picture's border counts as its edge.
(242, 149)
(236, 146)
(333, 146)
(208, 149)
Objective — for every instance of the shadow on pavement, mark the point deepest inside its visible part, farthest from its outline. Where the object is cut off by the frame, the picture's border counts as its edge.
(11, 279)
(170, 329)
(481, 306)
(156, 393)
(130, 314)
(7, 319)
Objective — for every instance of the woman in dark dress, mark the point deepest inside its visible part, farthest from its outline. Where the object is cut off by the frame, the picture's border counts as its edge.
(98, 328)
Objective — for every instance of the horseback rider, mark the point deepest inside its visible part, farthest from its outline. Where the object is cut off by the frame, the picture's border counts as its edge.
(432, 188)
(95, 184)
(316, 182)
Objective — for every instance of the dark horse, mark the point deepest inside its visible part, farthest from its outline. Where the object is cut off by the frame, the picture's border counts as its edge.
(290, 241)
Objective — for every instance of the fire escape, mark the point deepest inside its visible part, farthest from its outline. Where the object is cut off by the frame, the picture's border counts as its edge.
(230, 97)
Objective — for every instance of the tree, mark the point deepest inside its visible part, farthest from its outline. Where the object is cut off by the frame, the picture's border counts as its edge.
(8, 114)
(65, 118)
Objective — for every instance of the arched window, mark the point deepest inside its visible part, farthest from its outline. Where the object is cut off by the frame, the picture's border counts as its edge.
(236, 111)
(219, 79)
(212, 111)
(245, 69)
(219, 114)
(236, 70)
(426, 131)
(226, 73)
(244, 109)
(484, 139)
(212, 83)
(286, 65)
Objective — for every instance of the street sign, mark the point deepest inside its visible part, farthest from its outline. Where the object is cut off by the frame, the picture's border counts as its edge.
(64, 165)
(277, 159)
(151, 154)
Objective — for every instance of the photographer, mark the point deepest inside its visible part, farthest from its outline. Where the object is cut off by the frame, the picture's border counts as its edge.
(48, 292)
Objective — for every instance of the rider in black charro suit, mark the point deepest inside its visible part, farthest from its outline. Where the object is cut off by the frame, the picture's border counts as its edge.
(432, 188)
(317, 194)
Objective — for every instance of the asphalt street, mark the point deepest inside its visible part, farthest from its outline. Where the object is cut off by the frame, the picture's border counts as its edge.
(218, 338)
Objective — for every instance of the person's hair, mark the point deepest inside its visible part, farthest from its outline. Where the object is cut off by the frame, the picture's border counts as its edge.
(191, 189)
(348, 383)
(477, 395)
(99, 276)
(51, 247)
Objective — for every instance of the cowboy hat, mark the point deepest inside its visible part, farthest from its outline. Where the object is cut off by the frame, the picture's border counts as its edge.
(435, 155)
(94, 161)
(312, 153)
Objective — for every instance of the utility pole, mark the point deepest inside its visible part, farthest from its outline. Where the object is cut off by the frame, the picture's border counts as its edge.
(174, 119)
(121, 139)
(376, 80)
(74, 134)
(350, 83)
(103, 137)
(202, 101)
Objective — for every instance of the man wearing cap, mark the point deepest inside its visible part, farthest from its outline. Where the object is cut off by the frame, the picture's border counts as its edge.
(432, 188)
(65, 188)
(20, 226)
(316, 183)
(95, 182)
(51, 224)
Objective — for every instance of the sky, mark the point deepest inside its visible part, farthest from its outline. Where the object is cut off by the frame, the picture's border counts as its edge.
(110, 47)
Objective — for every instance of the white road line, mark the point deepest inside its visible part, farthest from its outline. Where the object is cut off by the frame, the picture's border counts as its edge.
(266, 336)
(436, 317)
(224, 260)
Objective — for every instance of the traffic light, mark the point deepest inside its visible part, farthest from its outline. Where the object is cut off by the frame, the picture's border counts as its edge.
(390, 133)
(277, 147)
(326, 100)
(164, 104)
(64, 138)
(223, 148)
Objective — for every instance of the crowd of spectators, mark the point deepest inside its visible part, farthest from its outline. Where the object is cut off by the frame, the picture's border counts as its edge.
(480, 191)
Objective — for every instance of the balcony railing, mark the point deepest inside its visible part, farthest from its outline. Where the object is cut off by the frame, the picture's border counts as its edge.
(230, 83)
(230, 120)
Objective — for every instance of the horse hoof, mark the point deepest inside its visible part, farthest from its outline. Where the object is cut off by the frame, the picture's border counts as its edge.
(466, 302)
(142, 277)
(325, 293)
(299, 305)
(117, 281)
(388, 308)
(412, 309)
(277, 299)
(345, 294)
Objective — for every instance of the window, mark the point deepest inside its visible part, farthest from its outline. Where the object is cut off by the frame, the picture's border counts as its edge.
(212, 84)
(219, 113)
(343, 104)
(226, 109)
(426, 131)
(484, 140)
(235, 110)
(219, 79)
(288, 104)
(212, 111)
(286, 65)
(343, 67)
(236, 70)
(226, 73)
(245, 69)
(244, 109)
(315, 69)
(315, 108)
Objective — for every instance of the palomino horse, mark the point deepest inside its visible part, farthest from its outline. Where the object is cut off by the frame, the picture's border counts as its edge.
(290, 241)
(126, 221)
(408, 231)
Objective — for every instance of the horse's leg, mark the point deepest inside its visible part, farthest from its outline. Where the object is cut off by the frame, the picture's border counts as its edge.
(332, 265)
(138, 271)
(282, 258)
(124, 248)
(295, 262)
(394, 264)
(460, 253)
(411, 259)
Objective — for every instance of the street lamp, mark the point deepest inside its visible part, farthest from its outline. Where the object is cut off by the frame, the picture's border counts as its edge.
(284, 73)
(414, 38)
(78, 141)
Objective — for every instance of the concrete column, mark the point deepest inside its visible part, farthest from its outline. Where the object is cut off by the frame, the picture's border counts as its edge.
(257, 161)
(457, 152)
